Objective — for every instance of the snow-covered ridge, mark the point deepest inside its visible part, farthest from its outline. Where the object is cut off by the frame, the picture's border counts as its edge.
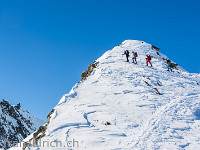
(126, 106)
(15, 124)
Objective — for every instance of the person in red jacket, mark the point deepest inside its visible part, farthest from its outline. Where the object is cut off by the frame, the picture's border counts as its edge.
(148, 60)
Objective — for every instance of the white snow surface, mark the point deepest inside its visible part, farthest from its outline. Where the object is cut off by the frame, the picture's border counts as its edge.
(139, 118)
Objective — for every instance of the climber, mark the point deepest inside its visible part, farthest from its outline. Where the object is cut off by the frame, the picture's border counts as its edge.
(148, 60)
(126, 52)
(134, 57)
(169, 65)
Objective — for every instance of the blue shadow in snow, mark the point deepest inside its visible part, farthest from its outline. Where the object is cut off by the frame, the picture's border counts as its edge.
(122, 134)
(197, 114)
(183, 146)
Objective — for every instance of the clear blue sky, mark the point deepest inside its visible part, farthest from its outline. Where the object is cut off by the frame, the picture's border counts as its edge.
(46, 44)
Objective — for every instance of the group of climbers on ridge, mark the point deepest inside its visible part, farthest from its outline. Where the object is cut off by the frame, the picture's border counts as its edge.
(148, 59)
(135, 55)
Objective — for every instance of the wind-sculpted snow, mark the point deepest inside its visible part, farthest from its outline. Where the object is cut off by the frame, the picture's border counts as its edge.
(126, 106)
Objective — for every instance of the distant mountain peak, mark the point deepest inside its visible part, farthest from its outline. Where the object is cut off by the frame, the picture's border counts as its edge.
(15, 124)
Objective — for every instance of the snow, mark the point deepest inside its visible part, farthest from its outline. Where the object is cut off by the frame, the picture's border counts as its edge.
(139, 118)
(10, 124)
(36, 121)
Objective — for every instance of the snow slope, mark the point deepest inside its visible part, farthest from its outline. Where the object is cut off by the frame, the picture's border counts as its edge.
(126, 96)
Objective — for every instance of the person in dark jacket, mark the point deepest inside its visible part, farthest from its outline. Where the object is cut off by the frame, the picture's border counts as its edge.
(135, 55)
(169, 65)
(126, 52)
(148, 60)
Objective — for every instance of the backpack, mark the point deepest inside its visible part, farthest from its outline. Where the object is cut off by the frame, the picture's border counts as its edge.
(149, 57)
(127, 52)
(136, 55)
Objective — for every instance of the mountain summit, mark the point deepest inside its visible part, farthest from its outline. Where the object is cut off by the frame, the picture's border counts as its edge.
(120, 105)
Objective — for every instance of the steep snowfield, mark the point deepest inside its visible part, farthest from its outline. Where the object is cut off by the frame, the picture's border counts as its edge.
(124, 94)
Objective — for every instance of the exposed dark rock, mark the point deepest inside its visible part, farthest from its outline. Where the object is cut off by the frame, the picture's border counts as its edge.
(11, 111)
(92, 66)
(120, 44)
(49, 116)
(146, 83)
(88, 72)
(148, 78)
(157, 92)
(84, 75)
(5, 104)
(173, 65)
(107, 123)
(158, 53)
(154, 47)
(18, 106)
(26, 144)
(159, 84)
(155, 83)
(16, 129)
(40, 132)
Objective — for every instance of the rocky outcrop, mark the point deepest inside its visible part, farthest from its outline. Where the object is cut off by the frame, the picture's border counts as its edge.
(84, 75)
(39, 133)
(157, 92)
(107, 123)
(88, 72)
(49, 116)
(173, 65)
(152, 84)
(154, 47)
(158, 53)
